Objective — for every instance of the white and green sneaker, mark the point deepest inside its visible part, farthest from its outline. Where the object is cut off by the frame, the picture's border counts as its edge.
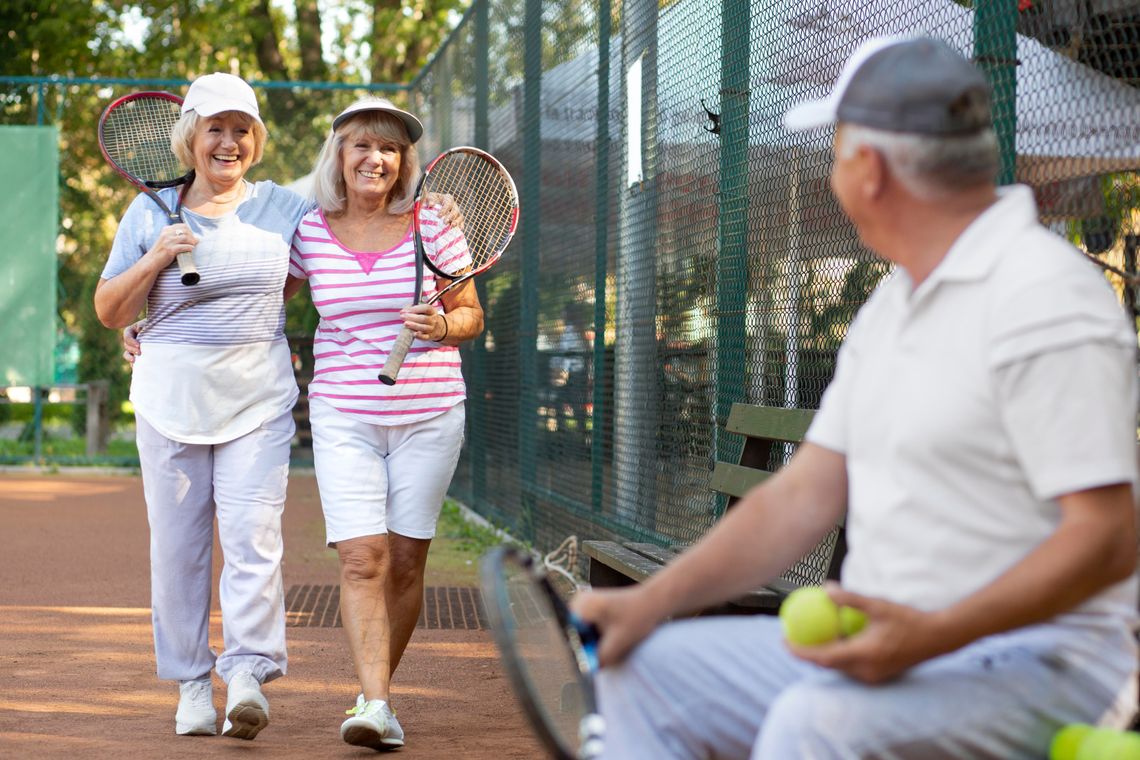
(372, 723)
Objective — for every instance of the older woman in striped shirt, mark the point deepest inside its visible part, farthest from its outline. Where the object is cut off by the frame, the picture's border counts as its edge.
(384, 455)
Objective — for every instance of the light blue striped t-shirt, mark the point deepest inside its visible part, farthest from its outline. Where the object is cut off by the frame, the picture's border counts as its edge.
(215, 363)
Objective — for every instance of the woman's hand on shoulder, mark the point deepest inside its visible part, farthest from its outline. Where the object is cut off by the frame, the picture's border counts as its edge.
(447, 209)
(130, 338)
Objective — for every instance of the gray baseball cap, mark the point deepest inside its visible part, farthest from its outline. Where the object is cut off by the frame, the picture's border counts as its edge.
(913, 85)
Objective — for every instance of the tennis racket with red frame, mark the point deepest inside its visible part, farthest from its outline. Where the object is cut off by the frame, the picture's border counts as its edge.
(134, 135)
(484, 195)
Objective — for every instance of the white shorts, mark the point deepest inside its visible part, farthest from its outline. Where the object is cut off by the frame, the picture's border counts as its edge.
(374, 478)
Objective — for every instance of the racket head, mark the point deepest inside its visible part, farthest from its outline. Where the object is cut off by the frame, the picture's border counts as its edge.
(485, 194)
(547, 655)
(134, 137)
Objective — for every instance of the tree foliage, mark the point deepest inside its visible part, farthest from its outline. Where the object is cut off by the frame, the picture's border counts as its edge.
(261, 40)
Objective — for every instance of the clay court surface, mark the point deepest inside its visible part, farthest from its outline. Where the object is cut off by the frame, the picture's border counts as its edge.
(77, 663)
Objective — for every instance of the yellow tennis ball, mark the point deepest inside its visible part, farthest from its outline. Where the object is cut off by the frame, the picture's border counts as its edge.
(1128, 746)
(1104, 744)
(851, 621)
(809, 617)
(1067, 741)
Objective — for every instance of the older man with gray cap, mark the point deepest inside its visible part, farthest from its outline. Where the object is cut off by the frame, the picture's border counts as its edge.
(979, 434)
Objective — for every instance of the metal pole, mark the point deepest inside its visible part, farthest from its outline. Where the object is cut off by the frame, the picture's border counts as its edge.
(995, 52)
(601, 258)
(636, 397)
(732, 260)
(530, 232)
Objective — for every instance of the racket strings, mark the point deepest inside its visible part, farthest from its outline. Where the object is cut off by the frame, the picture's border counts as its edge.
(136, 136)
(485, 198)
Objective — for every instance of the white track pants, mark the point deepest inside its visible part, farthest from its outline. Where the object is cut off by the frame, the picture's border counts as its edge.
(242, 483)
(728, 688)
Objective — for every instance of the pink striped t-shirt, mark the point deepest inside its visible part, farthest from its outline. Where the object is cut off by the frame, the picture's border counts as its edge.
(358, 295)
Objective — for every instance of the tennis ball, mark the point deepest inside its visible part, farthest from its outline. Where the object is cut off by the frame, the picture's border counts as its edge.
(1103, 744)
(1129, 748)
(809, 617)
(851, 621)
(1067, 741)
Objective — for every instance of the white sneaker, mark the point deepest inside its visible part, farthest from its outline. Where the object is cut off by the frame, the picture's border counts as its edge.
(196, 715)
(372, 724)
(247, 711)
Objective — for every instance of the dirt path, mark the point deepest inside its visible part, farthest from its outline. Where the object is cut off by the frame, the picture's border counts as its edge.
(77, 663)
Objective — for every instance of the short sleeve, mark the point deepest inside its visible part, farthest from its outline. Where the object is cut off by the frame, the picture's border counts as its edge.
(137, 231)
(296, 262)
(291, 204)
(1070, 414)
(297, 266)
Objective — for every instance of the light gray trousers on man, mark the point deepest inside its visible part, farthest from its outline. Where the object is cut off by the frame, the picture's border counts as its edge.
(241, 482)
(728, 688)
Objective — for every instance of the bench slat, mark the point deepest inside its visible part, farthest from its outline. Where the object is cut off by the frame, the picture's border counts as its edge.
(640, 560)
(736, 480)
(768, 422)
(625, 561)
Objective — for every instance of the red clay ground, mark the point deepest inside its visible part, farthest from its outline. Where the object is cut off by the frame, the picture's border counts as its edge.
(77, 663)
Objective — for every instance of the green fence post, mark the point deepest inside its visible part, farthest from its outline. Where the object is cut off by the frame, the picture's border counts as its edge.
(732, 258)
(601, 258)
(37, 423)
(478, 440)
(995, 52)
(530, 230)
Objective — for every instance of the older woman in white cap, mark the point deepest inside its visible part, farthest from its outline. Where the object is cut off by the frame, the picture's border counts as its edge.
(384, 455)
(212, 394)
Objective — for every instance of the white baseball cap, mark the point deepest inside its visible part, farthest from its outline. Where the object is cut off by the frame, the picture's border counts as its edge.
(411, 123)
(212, 94)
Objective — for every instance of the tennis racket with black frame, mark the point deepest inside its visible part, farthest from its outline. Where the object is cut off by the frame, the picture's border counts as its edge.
(484, 195)
(548, 653)
(134, 136)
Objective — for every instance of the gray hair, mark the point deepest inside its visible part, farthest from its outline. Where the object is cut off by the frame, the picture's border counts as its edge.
(930, 167)
(182, 137)
(328, 173)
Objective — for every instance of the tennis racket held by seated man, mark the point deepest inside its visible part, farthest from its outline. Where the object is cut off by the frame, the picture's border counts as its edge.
(134, 136)
(548, 653)
(485, 197)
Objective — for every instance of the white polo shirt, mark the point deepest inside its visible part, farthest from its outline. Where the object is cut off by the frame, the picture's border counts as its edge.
(966, 406)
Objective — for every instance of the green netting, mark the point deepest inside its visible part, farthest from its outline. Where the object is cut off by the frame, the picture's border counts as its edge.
(639, 301)
(29, 164)
(641, 298)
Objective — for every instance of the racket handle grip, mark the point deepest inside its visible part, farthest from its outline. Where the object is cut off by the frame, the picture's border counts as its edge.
(396, 357)
(189, 271)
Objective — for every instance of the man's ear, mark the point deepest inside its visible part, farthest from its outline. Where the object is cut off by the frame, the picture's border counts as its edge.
(874, 173)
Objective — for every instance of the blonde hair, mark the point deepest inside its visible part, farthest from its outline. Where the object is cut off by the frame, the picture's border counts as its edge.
(182, 136)
(328, 172)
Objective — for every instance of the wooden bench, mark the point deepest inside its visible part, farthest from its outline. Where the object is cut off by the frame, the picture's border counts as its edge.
(766, 431)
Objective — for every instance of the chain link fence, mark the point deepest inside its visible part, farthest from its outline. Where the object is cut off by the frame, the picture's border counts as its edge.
(679, 251)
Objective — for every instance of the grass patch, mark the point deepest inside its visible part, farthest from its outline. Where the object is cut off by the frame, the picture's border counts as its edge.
(458, 545)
